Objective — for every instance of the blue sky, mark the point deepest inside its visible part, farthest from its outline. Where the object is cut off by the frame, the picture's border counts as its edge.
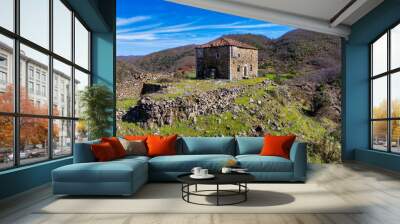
(146, 26)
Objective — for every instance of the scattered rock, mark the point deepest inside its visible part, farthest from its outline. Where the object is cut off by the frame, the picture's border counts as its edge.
(162, 112)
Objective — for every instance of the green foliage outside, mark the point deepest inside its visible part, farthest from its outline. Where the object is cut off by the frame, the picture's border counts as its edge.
(279, 78)
(185, 87)
(125, 104)
(97, 102)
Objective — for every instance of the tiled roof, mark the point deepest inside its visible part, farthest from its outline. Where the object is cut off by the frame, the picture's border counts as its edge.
(223, 41)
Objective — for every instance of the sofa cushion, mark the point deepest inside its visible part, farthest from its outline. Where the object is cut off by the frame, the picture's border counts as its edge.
(103, 152)
(83, 152)
(277, 145)
(161, 145)
(133, 158)
(249, 145)
(257, 163)
(134, 147)
(116, 145)
(206, 145)
(135, 137)
(185, 163)
(112, 171)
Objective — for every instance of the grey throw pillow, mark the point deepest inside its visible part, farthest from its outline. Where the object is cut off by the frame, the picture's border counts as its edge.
(137, 147)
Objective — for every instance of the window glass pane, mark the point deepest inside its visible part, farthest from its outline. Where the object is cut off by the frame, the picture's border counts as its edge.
(35, 21)
(379, 135)
(379, 97)
(6, 74)
(379, 56)
(81, 82)
(62, 138)
(395, 94)
(33, 139)
(81, 131)
(7, 14)
(81, 45)
(34, 96)
(62, 89)
(6, 142)
(62, 29)
(395, 136)
(395, 47)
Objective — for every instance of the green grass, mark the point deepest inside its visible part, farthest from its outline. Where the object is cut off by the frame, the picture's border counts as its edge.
(243, 100)
(278, 77)
(191, 75)
(187, 87)
(275, 115)
(125, 104)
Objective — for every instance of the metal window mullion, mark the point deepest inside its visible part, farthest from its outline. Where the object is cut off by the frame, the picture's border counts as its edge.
(16, 85)
(50, 81)
(90, 54)
(389, 100)
(371, 112)
(73, 82)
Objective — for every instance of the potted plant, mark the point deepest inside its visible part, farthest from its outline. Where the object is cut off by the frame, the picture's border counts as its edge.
(97, 103)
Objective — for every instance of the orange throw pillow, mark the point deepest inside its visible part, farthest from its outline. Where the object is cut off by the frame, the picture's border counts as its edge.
(277, 146)
(135, 137)
(116, 145)
(103, 152)
(161, 145)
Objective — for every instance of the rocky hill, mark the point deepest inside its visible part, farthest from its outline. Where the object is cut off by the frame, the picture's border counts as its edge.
(297, 92)
(297, 52)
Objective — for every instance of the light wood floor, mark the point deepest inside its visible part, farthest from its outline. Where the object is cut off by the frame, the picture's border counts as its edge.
(379, 189)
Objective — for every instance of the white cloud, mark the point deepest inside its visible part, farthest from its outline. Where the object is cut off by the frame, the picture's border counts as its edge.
(139, 28)
(135, 19)
(188, 27)
(139, 36)
(143, 47)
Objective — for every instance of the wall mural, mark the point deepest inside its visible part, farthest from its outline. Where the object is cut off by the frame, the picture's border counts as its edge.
(200, 73)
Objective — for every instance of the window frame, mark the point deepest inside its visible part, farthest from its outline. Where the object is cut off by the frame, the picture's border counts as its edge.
(16, 114)
(388, 74)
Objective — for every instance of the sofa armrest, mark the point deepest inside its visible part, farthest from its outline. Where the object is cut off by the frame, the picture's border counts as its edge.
(83, 152)
(298, 155)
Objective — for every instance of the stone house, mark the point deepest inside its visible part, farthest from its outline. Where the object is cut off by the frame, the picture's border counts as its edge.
(225, 58)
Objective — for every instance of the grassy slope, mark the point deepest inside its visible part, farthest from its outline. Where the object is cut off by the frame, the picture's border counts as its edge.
(272, 112)
(186, 87)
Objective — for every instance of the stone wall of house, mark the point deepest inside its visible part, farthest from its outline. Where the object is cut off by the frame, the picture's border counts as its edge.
(243, 59)
(213, 63)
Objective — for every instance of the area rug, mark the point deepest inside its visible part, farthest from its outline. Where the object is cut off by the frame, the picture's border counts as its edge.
(166, 198)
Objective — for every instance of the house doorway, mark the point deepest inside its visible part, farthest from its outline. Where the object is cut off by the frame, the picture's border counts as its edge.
(213, 73)
(245, 72)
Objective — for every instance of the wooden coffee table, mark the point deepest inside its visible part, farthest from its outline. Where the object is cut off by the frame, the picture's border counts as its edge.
(238, 179)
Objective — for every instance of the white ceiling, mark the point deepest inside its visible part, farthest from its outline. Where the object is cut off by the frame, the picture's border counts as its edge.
(315, 15)
(321, 9)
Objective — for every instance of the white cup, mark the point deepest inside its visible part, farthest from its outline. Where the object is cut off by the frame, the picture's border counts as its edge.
(203, 172)
(196, 171)
(226, 170)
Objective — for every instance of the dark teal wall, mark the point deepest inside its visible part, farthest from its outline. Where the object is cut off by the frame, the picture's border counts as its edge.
(24, 178)
(356, 101)
(356, 83)
(380, 159)
(103, 51)
(103, 63)
(99, 15)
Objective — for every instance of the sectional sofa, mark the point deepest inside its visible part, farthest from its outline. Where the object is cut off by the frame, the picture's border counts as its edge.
(125, 176)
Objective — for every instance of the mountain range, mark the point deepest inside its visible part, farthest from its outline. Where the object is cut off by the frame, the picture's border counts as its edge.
(297, 52)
